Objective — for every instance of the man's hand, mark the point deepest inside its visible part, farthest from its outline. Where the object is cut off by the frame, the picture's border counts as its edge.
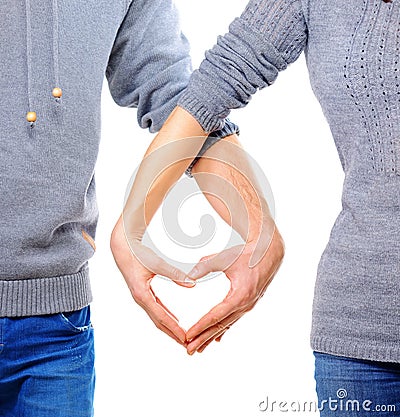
(247, 287)
(226, 177)
(139, 265)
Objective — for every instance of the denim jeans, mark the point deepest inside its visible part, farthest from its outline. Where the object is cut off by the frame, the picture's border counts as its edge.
(352, 387)
(47, 365)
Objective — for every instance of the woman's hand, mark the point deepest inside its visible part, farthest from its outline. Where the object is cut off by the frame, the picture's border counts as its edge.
(138, 265)
(166, 159)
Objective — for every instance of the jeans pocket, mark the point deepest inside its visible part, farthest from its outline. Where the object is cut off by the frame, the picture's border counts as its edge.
(78, 321)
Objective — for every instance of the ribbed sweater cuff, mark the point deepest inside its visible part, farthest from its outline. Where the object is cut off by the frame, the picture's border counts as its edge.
(32, 297)
(196, 107)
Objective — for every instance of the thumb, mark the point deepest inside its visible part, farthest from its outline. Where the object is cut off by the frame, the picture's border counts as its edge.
(218, 262)
(208, 257)
(171, 272)
(206, 265)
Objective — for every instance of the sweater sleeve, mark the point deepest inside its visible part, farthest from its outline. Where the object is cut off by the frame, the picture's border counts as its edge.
(265, 39)
(149, 65)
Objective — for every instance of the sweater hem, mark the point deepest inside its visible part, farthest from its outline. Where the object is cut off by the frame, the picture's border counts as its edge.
(40, 296)
(353, 349)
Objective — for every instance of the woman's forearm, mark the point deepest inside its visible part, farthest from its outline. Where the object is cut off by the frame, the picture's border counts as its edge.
(167, 157)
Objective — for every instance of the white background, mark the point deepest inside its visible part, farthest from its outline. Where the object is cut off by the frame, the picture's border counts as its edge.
(141, 371)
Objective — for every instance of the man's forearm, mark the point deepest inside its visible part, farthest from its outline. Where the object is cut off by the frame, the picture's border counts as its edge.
(226, 176)
(227, 179)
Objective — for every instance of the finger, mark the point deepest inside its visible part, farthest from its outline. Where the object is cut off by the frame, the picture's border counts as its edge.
(219, 337)
(206, 258)
(162, 327)
(216, 337)
(212, 333)
(172, 335)
(175, 274)
(204, 266)
(215, 263)
(170, 327)
(161, 317)
(163, 305)
(202, 348)
(218, 313)
(158, 266)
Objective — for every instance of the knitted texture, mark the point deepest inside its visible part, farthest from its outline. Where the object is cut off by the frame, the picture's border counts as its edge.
(263, 41)
(352, 49)
(48, 210)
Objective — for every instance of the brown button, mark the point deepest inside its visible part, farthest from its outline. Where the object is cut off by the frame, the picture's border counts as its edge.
(31, 116)
(57, 92)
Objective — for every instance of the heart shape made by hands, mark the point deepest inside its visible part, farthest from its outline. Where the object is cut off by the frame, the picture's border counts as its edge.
(190, 304)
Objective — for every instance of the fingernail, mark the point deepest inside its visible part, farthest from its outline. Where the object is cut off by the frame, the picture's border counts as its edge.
(190, 281)
(194, 271)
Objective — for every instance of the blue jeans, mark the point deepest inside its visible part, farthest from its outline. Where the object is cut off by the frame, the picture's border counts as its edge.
(352, 387)
(47, 365)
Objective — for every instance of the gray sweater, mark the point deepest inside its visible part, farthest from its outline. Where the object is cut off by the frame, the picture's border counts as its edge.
(352, 52)
(48, 211)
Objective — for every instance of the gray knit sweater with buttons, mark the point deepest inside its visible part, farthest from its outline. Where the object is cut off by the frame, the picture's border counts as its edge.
(352, 49)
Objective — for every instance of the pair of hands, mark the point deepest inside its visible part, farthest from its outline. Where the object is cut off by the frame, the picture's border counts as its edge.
(247, 285)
